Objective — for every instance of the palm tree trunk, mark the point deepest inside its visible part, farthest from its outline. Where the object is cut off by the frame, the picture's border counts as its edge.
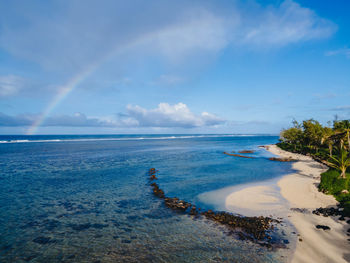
(343, 174)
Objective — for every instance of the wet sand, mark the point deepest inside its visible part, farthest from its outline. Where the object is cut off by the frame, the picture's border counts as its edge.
(292, 197)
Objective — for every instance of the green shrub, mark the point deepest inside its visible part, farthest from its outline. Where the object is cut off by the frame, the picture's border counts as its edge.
(331, 183)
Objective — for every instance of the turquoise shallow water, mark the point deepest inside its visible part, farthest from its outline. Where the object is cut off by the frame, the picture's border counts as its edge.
(87, 198)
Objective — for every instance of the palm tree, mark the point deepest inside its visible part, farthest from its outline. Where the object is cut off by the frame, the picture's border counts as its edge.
(340, 161)
(327, 134)
(337, 137)
(330, 145)
(347, 130)
(344, 128)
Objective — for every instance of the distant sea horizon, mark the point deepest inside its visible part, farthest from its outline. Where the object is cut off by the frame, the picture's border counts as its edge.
(35, 137)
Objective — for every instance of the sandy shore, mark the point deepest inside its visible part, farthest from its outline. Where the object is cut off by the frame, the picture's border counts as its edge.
(277, 197)
(251, 199)
(300, 190)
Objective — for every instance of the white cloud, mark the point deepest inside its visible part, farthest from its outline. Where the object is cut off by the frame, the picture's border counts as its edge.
(199, 31)
(177, 115)
(10, 85)
(342, 51)
(70, 39)
(286, 24)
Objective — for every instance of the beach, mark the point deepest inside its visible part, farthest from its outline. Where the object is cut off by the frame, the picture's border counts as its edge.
(298, 196)
(96, 190)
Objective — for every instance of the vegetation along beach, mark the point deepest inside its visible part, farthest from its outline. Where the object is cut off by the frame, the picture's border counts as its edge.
(325, 166)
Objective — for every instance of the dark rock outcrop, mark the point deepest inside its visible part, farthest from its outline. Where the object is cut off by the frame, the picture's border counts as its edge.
(238, 155)
(256, 229)
(281, 159)
(152, 174)
(176, 204)
(157, 191)
(299, 210)
(323, 227)
(330, 211)
(246, 151)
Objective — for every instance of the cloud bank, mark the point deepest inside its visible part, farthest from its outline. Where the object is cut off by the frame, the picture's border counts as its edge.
(164, 116)
(285, 24)
(69, 38)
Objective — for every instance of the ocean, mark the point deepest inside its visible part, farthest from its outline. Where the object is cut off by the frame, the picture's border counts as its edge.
(87, 198)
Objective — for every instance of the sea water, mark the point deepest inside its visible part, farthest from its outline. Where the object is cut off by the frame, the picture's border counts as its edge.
(88, 198)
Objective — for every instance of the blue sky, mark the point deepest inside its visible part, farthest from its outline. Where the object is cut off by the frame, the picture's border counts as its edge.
(171, 66)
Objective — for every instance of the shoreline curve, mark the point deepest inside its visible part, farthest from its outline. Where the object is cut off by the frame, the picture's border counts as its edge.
(300, 190)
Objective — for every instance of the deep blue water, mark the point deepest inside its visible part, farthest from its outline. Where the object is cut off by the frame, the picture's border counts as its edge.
(87, 198)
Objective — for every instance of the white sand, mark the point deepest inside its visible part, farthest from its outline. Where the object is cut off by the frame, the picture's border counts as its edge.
(251, 199)
(296, 190)
(262, 199)
(300, 189)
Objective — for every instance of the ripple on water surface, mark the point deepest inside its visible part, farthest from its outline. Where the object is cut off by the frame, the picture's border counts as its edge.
(89, 201)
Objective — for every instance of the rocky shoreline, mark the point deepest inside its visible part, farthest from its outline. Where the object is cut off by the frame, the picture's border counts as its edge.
(278, 159)
(238, 155)
(255, 229)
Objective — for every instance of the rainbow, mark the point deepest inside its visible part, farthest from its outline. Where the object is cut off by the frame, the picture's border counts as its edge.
(64, 91)
(67, 89)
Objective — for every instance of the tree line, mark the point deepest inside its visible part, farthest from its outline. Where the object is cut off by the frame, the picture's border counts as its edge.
(329, 144)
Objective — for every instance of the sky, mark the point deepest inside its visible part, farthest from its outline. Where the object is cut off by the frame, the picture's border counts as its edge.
(134, 67)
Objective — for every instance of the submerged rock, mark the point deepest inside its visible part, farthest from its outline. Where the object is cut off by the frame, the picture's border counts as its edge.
(176, 204)
(255, 227)
(238, 155)
(247, 151)
(194, 211)
(157, 191)
(153, 177)
(42, 240)
(152, 174)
